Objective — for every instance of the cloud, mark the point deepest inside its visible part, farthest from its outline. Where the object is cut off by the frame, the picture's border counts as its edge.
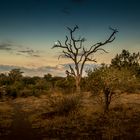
(66, 10)
(40, 71)
(86, 66)
(17, 49)
(29, 52)
(58, 70)
(6, 46)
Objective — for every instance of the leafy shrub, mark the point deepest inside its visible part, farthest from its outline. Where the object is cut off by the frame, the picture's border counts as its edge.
(11, 91)
(107, 80)
(66, 85)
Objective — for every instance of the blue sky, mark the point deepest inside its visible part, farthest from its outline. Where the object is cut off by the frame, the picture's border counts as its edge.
(29, 28)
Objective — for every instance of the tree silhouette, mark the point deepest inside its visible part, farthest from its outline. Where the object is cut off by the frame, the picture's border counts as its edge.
(126, 59)
(73, 48)
(15, 75)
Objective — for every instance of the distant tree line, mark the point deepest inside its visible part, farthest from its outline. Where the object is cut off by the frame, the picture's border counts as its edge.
(14, 84)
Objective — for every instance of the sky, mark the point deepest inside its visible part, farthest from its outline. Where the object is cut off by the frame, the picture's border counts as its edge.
(29, 29)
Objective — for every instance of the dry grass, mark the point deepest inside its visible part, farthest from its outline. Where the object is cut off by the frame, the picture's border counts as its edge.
(59, 116)
(6, 112)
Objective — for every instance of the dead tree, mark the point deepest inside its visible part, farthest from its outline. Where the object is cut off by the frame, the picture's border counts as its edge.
(73, 48)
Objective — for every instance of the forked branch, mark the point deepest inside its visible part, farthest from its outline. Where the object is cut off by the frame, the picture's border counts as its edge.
(73, 49)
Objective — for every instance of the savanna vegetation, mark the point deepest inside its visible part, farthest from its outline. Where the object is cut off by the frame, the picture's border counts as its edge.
(102, 105)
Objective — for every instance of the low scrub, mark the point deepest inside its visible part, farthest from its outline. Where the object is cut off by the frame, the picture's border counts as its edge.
(62, 105)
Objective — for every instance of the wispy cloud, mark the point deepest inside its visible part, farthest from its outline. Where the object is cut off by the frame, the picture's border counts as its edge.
(29, 52)
(7, 46)
(40, 71)
(15, 48)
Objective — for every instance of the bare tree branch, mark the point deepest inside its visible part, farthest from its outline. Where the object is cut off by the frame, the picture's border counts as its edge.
(74, 49)
(66, 41)
(91, 59)
(72, 70)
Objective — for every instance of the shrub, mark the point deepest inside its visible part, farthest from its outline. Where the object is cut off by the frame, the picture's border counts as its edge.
(107, 80)
(62, 105)
(26, 92)
(11, 91)
(66, 85)
(67, 105)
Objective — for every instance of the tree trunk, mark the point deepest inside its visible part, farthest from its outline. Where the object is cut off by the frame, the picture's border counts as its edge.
(78, 88)
(107, 102)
